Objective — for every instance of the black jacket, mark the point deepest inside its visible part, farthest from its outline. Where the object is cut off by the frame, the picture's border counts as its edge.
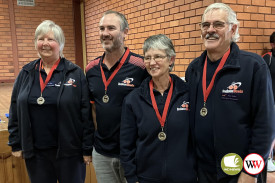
(244, 120)
(74, 113)
(143, 156)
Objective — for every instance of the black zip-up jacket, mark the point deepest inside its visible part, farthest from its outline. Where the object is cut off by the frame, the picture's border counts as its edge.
(74, 113)
(144, 157)
(244, 120)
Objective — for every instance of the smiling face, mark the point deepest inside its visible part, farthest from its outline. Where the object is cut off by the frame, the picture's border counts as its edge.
(47, 47)
(217, 39)
(159, 68)
(111, 36)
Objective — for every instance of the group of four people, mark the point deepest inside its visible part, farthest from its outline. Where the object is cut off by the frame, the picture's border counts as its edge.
(132, 118)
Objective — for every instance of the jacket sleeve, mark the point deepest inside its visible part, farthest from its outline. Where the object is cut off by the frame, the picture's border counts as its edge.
(262, 110)
(128, 138)
(13, 125)
(86, 113)
(266, 58)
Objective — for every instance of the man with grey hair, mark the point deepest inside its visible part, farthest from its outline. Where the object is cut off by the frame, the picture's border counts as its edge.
(111, 77)
(231, 100)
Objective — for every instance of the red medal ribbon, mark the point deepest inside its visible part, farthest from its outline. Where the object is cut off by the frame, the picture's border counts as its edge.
(106, 83)
(207, 91)
(167, 102)
(42, 83)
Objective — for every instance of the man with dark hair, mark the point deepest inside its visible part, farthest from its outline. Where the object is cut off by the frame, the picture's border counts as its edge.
(269, 58)
(111, 77)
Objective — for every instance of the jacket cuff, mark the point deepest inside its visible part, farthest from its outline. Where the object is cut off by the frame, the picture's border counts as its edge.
(132, 179)
(87, 152)
(15, 148)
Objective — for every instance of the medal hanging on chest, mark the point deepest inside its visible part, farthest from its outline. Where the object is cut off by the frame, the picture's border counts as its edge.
(162, 135)
(41, 100)
(203, 111)
(162, 119)
(206, 91)
(106, 98)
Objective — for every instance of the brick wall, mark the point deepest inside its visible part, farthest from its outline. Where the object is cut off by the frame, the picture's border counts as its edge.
(179, 20)
(6, 60)
(26, 19)
(256, 22)
(176, 18)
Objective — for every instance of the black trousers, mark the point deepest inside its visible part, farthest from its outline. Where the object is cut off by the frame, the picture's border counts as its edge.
(45, 168)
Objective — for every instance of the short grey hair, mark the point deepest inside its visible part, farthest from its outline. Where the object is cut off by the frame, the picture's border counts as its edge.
(231, 17)
(45, 27)
(160, 42)
(123, 21)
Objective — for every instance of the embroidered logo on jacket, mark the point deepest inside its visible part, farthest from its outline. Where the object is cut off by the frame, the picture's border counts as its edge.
(58, 84)
(232, 91)
(70, 82)
(127, 82)
(184, 106)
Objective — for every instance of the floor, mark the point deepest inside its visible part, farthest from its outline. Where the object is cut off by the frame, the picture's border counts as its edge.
(5, 95)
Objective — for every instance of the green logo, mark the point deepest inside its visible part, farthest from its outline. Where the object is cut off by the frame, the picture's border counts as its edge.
(232, 164)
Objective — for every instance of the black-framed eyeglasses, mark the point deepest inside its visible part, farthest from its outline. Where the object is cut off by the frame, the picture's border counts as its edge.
(157, 58)
(216, 25)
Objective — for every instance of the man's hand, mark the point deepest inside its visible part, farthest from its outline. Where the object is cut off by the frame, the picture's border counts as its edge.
(245, 178)
(87, 159)
(17, 154)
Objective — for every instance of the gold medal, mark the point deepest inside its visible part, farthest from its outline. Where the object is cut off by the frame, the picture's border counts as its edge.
(40, 100)
(162, 136)
(203, 111)
(105, 98)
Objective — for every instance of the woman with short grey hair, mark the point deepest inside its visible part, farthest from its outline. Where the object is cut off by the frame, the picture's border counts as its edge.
(155, 141)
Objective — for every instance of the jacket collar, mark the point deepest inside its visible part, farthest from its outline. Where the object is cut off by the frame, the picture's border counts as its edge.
(180, 87)
(233, 61)
(68, 66)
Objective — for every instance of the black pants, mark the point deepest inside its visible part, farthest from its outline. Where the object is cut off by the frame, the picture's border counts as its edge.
(45, 168)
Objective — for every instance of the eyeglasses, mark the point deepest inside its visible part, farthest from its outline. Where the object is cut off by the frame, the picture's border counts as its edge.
(157, 58)
(216, 25)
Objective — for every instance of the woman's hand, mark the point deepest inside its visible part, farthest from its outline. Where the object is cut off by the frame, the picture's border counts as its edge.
(17, 154)
(87, 159)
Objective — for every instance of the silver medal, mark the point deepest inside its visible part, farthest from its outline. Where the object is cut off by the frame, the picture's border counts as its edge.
(40, 100)
(105, 98)
(203, 111)
(162, 136)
